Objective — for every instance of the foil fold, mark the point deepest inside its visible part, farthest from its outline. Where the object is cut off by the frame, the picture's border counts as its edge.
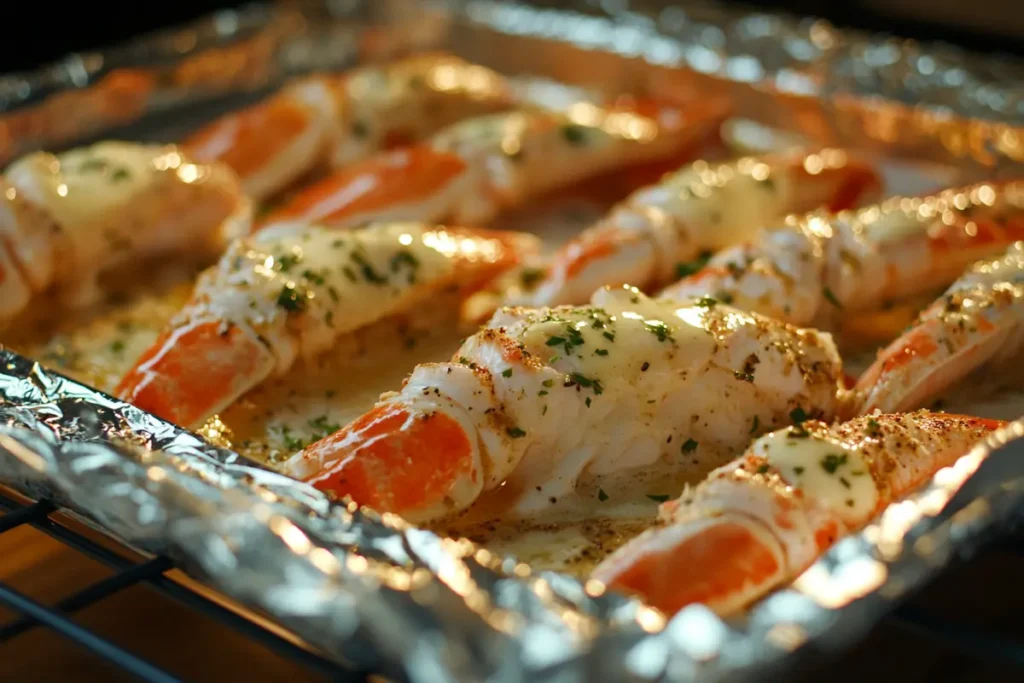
(380, 595)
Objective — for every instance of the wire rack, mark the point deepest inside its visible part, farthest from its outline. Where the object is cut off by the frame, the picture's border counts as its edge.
(969, 641)
(127, 573)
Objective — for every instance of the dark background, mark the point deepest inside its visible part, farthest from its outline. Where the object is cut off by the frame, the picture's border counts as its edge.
(39, 31)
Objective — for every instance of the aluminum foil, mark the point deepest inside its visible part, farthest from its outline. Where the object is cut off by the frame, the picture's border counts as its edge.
(386, 597)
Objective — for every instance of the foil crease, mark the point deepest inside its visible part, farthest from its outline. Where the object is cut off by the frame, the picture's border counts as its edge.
(382, 596)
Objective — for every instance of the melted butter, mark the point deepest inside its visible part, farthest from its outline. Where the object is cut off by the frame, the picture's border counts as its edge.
(282, 415)
(826, 470)
(725, 203)
(81, 186)
(616, 337)
(339, 281)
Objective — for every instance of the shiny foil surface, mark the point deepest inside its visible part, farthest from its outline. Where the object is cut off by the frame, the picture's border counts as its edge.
(386, 597)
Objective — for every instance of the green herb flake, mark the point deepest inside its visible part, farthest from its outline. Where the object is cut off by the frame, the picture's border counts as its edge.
(601, 495)
(291, 299)
(658, 497)
(706, 302)
(404, 258)
(688, 268)
(574, 135)
(117, 346)
(286, 262)
(689, 446)
(763, 469)
(529, 277)
(831, 298)
(548, 383)
(798, 469)
(798, 416)
(507, 372)
(659, 330)
(833, 461)
(515, 432)
(600, 352)
(757, 423)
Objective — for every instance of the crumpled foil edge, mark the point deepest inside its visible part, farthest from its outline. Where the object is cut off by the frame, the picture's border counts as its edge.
(383, 596)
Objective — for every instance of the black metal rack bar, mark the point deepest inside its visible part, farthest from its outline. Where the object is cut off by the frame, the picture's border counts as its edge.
(126, 574)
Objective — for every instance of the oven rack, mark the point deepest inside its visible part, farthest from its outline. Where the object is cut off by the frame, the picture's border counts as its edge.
(971, 642)
(125, 574)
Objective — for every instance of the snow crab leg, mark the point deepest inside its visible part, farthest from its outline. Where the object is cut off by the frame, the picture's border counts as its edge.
(336, 120)
(978, 322)
(67, 218)
(470, 171)
(761, 520)
(293, 292)
(643, 382)
(817, 266)
(702, 207)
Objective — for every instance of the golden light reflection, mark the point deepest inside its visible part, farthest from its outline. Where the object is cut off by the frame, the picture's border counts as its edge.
(291, 535)
(786, 636)
(650, 619)
(850, 581)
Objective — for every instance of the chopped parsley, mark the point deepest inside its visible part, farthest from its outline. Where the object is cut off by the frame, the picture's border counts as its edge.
(706, 302)
(515, 432)
(530, 277)
(286, 262)
(833, 461)
(291, 299)
(322, 427)
(548, 383)
(574, 135)
(583, 381)
(689, 446)
(610, 336)
(658, 497)
(117, 346)
(404, 258)
(313, 276)
(831, 297)
(659, 330)
(687, 268)
(601, 352)
(757, 423)
(763, 469)
(798, 469)
(360, 129)
(121, 174)
(601, 495)
(798, 416)
(507, 372)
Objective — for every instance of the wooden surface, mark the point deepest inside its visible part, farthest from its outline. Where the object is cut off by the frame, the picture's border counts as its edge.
(191, 646)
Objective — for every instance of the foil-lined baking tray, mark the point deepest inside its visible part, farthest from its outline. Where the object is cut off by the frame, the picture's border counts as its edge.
(386, 597)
